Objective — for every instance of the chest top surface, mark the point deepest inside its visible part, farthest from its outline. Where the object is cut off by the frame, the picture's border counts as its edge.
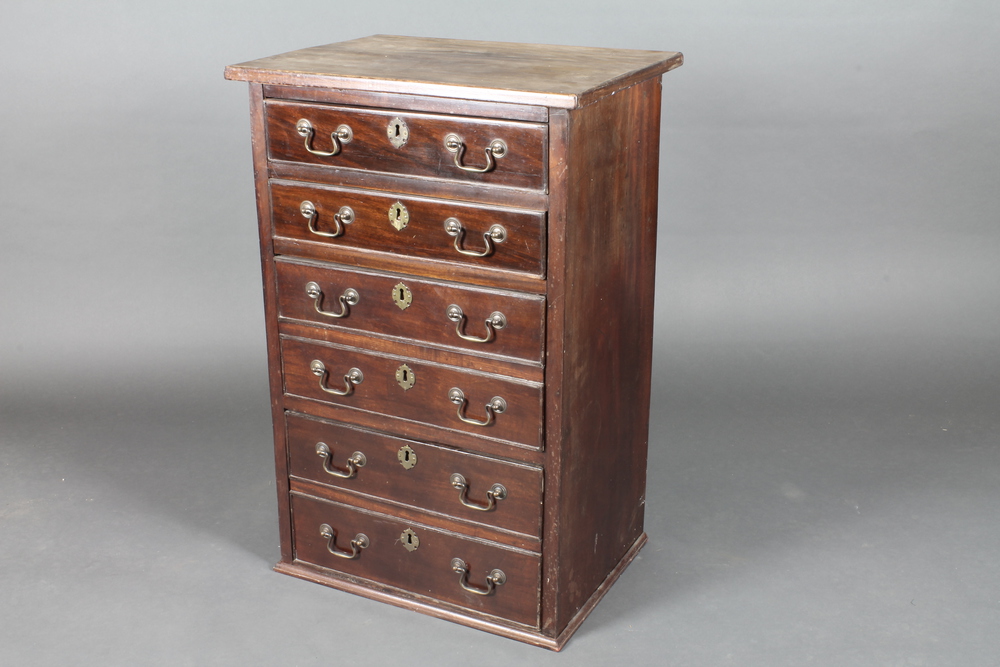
(555, 76)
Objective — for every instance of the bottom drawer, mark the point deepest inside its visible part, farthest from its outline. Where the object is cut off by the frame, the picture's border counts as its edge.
(496, 580)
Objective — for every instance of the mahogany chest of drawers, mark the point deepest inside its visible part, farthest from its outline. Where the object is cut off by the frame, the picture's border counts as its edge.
(458, 242)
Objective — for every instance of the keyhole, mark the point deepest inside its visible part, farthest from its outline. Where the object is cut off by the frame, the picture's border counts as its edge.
(399, 217)
(409, 540)
(401, 295)
(396, 132)
(406, 456)
(405, 377)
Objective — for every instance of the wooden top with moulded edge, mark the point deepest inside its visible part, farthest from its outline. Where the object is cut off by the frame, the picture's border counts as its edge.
(552, 76)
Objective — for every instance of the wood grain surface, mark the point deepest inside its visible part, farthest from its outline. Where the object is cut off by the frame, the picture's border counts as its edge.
(424, 153)
(577, 195)
(373, 98)
(424, 319)
(602, 282)
(546, 75)
(425, 570)
(426, 401)
(424, 236)
(426, 485)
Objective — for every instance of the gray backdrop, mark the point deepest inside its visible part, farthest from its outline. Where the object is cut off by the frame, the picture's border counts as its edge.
(824, 472)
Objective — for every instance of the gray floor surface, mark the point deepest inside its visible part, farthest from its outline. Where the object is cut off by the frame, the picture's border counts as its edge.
(808, 504)
(824, 469)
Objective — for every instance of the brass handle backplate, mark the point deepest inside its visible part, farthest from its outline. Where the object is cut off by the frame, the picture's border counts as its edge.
(352, 378)
(493, 579)
(344, 216)
(495, 234)
(342, 135)
(494, 322)
(496, 149)
(495, 407)
(357, 460)
(359, 542)
(349, 298)
(496, 492)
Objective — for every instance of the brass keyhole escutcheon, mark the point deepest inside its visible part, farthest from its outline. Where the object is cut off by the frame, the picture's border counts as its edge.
(398, 132)
(402, 296)
(405, 377)
(399, 217)
(409, 540)
(407, 457)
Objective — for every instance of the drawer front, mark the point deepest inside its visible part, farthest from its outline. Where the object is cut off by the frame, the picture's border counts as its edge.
(414, 309)
(425, 153)
(425, 568)
(416, 227)
(417, 474)
(428, 400)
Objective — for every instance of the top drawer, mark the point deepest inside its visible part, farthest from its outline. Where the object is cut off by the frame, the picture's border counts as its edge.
(459, 148)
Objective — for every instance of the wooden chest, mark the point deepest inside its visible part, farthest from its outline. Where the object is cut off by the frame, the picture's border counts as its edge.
(458, 242)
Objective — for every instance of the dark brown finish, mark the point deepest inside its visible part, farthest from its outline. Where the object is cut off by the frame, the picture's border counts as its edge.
(417, 514)
(426, 485)
(437, 188)
(448, 612)
(424, 154)
(367, 98)
(259, 145)
(424, 236)
(576, 290)
(514, 368)
(424, 320)
(426, 268)
(426, 570)
(603, 378)
(427, 401)
(546, 75)
(415, 430)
